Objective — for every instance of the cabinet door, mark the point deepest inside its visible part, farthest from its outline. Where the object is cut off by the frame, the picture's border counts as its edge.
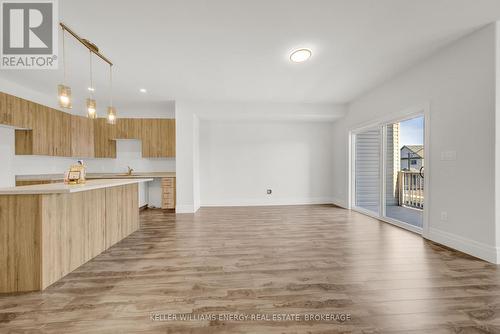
(43, 127)
(167, 138)
(82, 137)
(21, 118)
(146, 137)
(128, 128)
(13, 105)
(64, 140)
(3, 108)
(104, 145)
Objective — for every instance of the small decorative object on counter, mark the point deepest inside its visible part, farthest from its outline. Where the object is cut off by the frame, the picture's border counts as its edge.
(76, 173)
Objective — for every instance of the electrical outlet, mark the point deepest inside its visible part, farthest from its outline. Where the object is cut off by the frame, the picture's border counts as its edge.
(269, 191)
(444, 216)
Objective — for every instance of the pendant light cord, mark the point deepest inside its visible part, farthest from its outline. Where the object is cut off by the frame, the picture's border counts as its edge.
(91, 83)
(64, 55)
(110, 85)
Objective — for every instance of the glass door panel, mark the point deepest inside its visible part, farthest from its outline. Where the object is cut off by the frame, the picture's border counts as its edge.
(404, 165)
(367, 170)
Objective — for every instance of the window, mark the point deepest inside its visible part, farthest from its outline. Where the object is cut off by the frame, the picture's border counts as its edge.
(414, 162)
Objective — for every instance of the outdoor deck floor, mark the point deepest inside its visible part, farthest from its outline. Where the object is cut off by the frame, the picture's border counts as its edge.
(406, 215)
(403, 214)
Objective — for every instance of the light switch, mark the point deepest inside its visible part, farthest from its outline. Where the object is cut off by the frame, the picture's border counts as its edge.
(444, 216)
(448, 155)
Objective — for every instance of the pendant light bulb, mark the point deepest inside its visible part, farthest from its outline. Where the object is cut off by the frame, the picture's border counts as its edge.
(91, 104)
(111, 109)
(64, 91)
(91, 109)
(111, 115)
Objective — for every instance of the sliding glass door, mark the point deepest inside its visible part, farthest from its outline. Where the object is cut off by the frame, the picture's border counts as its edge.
(388, 172)
(367, 170)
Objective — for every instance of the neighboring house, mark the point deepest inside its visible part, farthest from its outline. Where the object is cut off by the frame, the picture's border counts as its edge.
(412, 157)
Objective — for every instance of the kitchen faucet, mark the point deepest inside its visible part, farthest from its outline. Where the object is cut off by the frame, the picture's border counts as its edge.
(130, 170)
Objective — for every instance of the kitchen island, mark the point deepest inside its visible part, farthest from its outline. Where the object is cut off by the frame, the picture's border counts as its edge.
(160, 193)
(49, 230)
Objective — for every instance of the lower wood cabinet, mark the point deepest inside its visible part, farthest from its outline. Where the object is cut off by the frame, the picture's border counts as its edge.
(44, 237)
(168, 193)
(122, 213)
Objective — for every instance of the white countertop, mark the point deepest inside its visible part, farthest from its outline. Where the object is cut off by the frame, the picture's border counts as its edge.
(135, 175)
(62, 188)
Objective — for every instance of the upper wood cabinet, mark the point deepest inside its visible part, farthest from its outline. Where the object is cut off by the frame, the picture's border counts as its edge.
(41, 130)
(128, 128)
(104, 135)
(50, 133)
(158, 138)
(157, 135)
(82, 137)
(3, 108)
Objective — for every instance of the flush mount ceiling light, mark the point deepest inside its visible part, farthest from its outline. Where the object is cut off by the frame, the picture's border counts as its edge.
(300, 55)
(143, 90)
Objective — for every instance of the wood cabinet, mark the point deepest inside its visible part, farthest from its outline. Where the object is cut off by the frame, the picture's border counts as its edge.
(82, 137)
(51, 133)
(23, 117)
(122, 213)
(158, 139)
(104, 135)
(128, 128)
(168, 193)
(43, 237)
(3, 108)
(41, 130)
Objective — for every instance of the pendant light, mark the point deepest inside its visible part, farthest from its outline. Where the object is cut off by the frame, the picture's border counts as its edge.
(91, 105)
(64, 91)
(111, 109)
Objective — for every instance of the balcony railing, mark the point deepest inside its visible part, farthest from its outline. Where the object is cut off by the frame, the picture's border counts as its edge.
(411, 189)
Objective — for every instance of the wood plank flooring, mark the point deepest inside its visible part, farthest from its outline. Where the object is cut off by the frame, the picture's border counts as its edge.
(261, 261)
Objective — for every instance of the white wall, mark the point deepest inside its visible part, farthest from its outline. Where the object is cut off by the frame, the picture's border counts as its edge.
(459, 85)
(240, 160)
(191, 147)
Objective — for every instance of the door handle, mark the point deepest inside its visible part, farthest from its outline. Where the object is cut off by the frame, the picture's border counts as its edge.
(421, 172)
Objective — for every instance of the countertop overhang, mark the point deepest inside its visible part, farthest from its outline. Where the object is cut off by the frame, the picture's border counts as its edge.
(135, 175)
(62, 188)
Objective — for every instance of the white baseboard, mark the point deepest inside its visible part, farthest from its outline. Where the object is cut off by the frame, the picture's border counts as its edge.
(468, 246)
(271, 201)
(185, 208)
(339, 202)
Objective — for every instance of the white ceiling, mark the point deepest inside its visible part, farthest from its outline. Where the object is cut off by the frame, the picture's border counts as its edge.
(237, 50)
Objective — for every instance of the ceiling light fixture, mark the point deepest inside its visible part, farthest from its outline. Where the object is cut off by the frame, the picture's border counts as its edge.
(300, 55)
(143, 90)
(64, 91)
(91, 104)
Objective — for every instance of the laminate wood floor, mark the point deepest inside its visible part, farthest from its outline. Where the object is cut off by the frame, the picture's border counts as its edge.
(262, 262)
